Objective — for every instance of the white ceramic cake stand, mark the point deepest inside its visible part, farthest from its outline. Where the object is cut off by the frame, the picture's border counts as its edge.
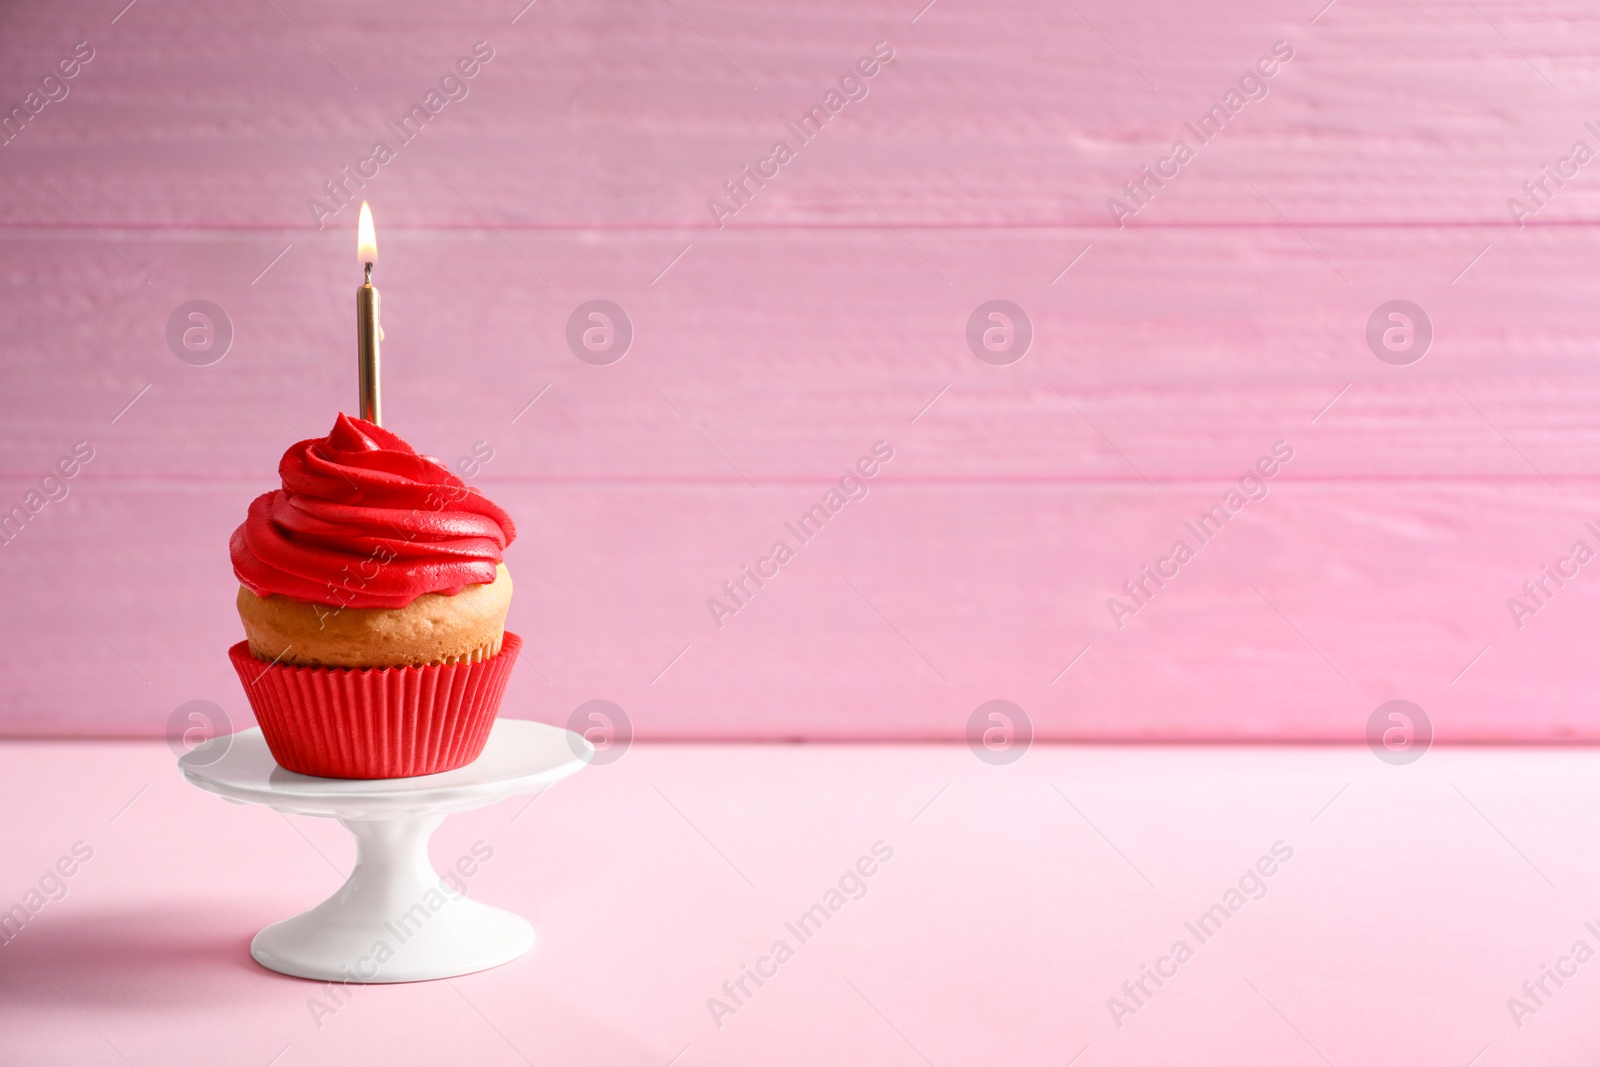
(392, 897)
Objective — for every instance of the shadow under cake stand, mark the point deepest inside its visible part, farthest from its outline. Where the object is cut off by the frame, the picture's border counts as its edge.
(391, 898)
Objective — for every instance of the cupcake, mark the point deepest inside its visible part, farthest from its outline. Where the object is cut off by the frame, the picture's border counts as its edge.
(374, 600)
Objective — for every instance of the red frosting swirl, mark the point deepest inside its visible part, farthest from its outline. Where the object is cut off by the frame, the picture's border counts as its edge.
(364, 521)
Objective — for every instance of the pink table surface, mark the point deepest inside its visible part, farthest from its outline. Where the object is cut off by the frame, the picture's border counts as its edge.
(1017, 901)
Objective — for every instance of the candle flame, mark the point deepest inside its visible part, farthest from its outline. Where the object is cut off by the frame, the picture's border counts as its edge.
(366, 237)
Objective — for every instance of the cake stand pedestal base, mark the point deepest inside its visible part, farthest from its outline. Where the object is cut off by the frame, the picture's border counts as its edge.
(395, 919)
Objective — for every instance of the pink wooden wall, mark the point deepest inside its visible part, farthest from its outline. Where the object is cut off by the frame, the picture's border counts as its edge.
(827, 314)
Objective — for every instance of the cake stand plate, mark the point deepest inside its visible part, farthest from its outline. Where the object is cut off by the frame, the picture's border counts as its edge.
(394, 919)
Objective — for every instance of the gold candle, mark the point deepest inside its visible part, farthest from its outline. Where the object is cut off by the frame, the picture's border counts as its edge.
(368, 332)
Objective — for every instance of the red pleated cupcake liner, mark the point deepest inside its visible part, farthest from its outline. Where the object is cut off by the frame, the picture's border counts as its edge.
(380, 722)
